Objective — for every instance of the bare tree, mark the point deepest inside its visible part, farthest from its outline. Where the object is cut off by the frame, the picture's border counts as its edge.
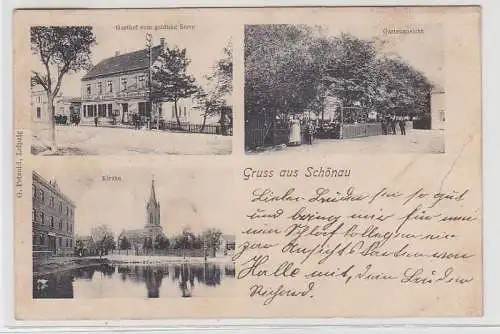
(61, 50)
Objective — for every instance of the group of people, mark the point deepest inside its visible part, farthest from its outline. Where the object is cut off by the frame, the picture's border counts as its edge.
(301, 130)
(389, 124)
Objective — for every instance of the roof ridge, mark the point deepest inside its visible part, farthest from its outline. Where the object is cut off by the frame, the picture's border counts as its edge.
(125, 62)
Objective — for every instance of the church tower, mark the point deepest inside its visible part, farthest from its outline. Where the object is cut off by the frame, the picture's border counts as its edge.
(153, 213)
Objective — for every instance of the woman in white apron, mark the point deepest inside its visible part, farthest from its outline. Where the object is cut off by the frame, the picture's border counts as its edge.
(294, 133)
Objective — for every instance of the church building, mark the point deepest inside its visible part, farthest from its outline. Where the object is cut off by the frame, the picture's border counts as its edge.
(152, 228)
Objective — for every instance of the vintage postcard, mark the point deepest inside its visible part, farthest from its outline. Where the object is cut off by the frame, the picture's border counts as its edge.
(247, 163)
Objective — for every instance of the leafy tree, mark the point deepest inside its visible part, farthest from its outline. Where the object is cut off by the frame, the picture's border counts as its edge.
(103, 238)
(136, 241)
(187, 238)
(161, 242)
(170, 80)
(147, 244)
(125, 243)
(291, 68)
(281, 75)
(400, 89)
(224, 69)
(61, 50)
(213, 100)
(211, 238)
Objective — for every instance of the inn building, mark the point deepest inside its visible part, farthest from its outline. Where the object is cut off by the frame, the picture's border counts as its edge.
(53, 219)
(118, 87)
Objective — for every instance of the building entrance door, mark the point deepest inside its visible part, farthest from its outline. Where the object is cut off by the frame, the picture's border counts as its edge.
(52, 244)
(124, 112)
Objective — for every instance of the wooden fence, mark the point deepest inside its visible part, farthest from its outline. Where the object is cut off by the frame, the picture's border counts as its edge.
(261, 132)
(361, 130)
(196, 128)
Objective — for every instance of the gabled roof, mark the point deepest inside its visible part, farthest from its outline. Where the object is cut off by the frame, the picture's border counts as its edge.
(71, 99)
(126, 62)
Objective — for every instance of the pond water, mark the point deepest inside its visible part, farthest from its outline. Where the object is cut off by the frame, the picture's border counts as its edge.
(138, 281)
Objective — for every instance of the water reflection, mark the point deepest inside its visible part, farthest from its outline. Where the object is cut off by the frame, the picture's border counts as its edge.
(114, 281)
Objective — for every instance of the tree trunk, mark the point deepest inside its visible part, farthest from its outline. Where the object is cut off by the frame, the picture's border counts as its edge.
(177, 114)
(204, 121)
(52, 121)
(223, 123)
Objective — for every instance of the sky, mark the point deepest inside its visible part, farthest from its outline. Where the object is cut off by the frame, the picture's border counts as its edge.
(424, 51)
(189, 196)
(204, 48)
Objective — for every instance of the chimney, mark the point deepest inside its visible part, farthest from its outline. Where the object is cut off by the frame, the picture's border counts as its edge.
(117, 53)
(162, 42)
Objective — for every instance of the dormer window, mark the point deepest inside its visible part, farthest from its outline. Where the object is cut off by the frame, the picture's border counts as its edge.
(89, 89)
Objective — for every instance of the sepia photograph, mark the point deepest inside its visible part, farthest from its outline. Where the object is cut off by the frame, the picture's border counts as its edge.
(214, 164)
(147, 238)
(108, 90)
(324, 90)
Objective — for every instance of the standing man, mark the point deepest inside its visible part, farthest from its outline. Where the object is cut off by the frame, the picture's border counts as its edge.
(402, 125)
(96, 121)
(393, 124)
(309, 132)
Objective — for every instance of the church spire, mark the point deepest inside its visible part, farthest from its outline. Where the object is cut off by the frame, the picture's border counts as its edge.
(152, 196)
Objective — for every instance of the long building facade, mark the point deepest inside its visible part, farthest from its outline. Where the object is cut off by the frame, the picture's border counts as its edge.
(117, 89)
(53, 219)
